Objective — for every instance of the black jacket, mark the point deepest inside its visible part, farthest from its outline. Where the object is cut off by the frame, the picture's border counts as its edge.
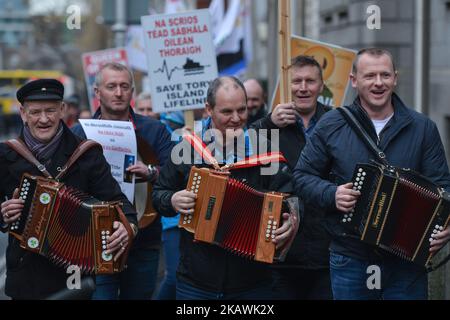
(29, 275)
(207, 266)
(310, 246)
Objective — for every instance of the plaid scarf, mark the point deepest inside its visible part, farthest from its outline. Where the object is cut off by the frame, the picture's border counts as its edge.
(42, 151)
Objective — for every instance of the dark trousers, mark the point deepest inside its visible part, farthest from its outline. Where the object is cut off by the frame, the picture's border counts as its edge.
(301, 284)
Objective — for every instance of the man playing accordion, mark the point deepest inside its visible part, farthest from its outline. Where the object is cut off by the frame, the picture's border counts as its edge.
(29, 275)
(324, 171)
(206, 271)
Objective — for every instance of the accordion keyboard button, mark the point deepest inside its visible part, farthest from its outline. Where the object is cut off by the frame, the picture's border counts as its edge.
(106, 257)
(344, 220)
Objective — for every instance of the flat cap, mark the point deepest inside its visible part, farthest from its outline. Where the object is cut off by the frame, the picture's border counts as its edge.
(39, 90)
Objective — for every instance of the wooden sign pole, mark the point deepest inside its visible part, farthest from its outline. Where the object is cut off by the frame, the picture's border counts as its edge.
(284, 49)
(189, 119)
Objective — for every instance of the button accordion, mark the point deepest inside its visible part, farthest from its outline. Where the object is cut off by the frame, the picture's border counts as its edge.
(67, 226)
(232, 215)
(399, 211)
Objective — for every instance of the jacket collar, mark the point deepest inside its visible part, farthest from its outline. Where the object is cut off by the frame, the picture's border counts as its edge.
(402, 117)
(320, 110)
(131, 115)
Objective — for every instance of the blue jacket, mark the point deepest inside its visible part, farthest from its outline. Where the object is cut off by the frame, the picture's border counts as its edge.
(155, 133)
(409, 140)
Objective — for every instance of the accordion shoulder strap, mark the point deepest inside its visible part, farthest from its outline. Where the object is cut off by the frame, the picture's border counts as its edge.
(252, 161)
(21, 148)
(361, 132)
(257, 160)
(202, 150)
(84, 146)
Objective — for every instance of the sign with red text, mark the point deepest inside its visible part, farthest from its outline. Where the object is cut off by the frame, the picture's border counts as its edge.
(92, 62)
(181, 59)
(118, 140)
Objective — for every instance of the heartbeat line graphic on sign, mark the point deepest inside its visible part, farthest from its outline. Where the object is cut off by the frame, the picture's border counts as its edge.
(190, 68)
(165, 69)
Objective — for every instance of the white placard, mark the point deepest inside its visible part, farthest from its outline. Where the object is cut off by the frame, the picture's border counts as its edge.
(118, 140)
(181, 59)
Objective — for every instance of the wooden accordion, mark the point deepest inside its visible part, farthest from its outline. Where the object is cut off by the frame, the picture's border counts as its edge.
(67, 226)
(232, 215)
(398, 210)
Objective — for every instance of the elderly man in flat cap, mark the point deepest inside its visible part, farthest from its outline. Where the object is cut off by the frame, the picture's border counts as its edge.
(29, 275)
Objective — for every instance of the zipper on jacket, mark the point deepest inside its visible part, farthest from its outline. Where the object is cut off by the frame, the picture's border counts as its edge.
(379, 137)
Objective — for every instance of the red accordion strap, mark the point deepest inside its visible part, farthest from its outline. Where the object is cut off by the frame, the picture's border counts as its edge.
(252, 161)
(257, 160)
(201, 148)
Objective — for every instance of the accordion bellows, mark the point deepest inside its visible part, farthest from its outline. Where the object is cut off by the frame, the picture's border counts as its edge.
(398, 210)
(232, 215)
(67, 226)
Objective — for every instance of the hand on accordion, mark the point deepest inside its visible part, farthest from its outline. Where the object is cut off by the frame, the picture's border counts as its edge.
(346, 197)
(287, 230)
(184, 201)
(12, 209)
(118, 241)
(440, 239)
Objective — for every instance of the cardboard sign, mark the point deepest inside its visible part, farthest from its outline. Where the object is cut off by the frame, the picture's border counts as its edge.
(181, 59)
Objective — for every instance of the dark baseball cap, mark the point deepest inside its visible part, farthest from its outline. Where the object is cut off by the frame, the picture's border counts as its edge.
(41, 90)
